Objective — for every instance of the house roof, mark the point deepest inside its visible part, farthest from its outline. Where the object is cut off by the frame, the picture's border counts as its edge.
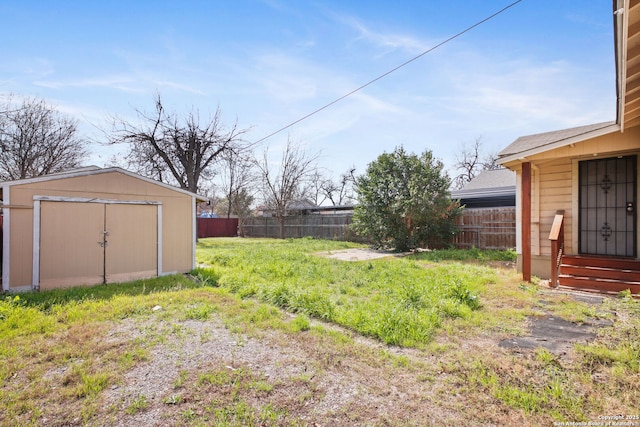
(94, 170)
(489, 183)
(541, 142)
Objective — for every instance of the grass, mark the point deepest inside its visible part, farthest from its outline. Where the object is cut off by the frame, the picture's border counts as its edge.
(397, 301)
(442, 312)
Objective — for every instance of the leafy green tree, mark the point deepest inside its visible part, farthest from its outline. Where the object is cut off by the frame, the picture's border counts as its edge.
(404, 202)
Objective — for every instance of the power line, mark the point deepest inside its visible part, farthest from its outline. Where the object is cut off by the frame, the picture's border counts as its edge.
(389, 72)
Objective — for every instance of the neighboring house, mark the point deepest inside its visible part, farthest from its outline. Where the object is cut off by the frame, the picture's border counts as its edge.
(577, 189)
(295, 207)
(91, 225)
(334, 210)
(490, 189)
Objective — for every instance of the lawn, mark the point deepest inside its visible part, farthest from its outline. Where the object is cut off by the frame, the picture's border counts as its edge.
(397, 301)
(268, 332)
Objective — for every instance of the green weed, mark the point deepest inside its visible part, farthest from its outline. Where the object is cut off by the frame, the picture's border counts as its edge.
(205, 276)
(199, 311)
(138, 404)
(300, 323)
(474, 254)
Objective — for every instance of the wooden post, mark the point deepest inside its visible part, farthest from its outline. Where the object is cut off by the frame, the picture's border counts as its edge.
(526, 221)
(557, 246)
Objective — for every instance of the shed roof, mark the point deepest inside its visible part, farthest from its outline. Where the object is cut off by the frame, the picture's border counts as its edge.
(95, 170)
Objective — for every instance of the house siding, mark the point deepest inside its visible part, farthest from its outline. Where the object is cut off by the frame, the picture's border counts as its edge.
(555, 194)
(555, 187)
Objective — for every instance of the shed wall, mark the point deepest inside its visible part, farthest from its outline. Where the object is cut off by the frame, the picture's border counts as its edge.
(177, 218)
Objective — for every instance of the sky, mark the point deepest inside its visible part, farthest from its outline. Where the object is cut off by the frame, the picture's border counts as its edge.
(539, 66)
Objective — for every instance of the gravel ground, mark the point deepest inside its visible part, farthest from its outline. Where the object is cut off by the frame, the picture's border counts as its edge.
(317, 384)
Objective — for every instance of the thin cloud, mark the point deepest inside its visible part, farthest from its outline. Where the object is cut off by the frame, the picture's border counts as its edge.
(386, 41)
(124, 84)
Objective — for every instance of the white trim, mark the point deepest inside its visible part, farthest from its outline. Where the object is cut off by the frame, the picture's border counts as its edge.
(35, 275)
(36, 226)
(94, 200)
(521, 156)
(168, 273)
(194, 227)
(6, 234)
(159, 238)
(94, 170)
(622, 30)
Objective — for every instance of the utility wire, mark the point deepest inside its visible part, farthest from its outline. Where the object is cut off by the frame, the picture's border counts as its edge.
(389, 72)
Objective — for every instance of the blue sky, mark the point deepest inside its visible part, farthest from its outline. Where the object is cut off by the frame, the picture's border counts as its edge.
(542, 65)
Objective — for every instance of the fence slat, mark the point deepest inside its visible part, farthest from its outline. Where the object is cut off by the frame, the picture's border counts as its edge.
(334, 227)
(486, 228)
(217, 227)
(483, 228)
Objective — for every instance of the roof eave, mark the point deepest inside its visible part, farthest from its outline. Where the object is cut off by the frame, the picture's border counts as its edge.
(94, 170)
(522, 156)
(620, 24)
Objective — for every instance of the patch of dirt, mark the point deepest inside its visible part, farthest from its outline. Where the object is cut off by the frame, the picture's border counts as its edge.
(558, 335)
(360, 254)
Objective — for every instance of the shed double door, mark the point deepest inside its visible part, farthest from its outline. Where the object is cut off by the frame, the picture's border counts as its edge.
(92, 243)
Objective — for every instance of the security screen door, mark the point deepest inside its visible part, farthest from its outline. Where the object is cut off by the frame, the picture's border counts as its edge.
(607, 201)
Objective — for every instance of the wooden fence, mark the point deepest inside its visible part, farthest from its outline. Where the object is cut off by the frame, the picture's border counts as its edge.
(333, 227)
(217, 227)
(482, 228)
(486, 228)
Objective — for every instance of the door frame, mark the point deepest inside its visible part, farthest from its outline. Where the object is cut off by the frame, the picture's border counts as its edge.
(576, 208)
(35, 285)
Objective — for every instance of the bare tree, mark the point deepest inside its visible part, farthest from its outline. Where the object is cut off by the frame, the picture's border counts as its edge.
(316, 188)
(470, 162)
(238, 184)
(241, 205)
(36, 140)
(284, 185)
(490, 162)
(168, 148)
(341, 192)
(237, 176)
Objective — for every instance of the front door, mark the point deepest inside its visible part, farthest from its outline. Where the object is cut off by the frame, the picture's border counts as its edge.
(607, 200)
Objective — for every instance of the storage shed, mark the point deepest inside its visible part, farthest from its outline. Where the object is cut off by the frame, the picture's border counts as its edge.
(92, 225)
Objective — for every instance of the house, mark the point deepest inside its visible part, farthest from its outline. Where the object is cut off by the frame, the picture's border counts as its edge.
(577, 189)
(91, 225)
(490, 189)
(294, 207)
